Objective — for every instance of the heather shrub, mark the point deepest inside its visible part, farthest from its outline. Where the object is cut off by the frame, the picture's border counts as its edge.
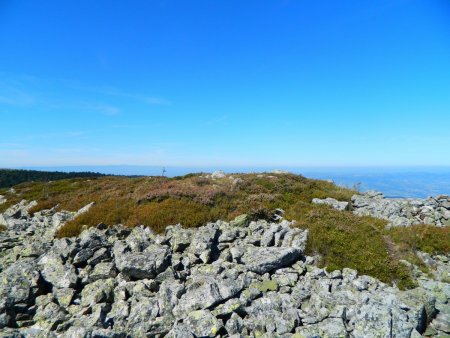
(158, 215)
(109, 212)
(427, 238)
(198, 189)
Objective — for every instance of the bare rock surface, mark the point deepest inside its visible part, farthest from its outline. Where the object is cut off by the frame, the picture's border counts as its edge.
(237, 279)
(397, 211)
(338, 205)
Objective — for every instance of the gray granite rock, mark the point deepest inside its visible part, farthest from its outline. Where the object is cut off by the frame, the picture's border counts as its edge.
(265, 259)
(147, 264)
(399, 212)
(332, 203)
(238, 279)
(57, 273)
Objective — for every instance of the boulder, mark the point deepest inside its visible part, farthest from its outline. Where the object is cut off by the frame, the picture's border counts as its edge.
(330, 327)
(218, 174)
(148, 264)
(143, 312)
(335, 204)
(64, 296)
(181, 239)
(240, 221)
(265, 259)
(58, 274)
(19, 285)
(100, 291)
(203, 292)
(203, 242)
(203, 324)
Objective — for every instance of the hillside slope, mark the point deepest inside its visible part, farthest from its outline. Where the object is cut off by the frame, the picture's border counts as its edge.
(341, 239)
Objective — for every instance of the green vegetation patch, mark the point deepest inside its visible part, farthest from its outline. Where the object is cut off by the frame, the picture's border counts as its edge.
(427, 238)
(406, 241)
(346, 240)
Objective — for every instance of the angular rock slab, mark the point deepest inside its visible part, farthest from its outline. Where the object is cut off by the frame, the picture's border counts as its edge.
(265, 259)
(335, 204)
(203, 323)
(147, 264)
(56, 273)
(204, 292)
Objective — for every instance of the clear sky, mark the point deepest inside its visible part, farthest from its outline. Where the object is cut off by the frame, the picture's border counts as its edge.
(303, 83)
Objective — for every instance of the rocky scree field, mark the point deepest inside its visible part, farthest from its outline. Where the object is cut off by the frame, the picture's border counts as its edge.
(229, 279)
(67, 267)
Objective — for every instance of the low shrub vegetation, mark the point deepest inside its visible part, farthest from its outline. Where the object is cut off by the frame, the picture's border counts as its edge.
(345, 240)
(341, 239)
(170, 211)
(427, 238)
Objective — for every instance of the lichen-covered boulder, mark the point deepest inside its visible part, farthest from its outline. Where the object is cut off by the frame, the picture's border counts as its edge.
(203, 324)
(265, 259)
(335, 204)
(100, 291)
(203, 292)
(55, 272)
(147, 264)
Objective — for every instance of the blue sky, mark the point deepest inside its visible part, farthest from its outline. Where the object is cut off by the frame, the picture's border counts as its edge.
(192, 83)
